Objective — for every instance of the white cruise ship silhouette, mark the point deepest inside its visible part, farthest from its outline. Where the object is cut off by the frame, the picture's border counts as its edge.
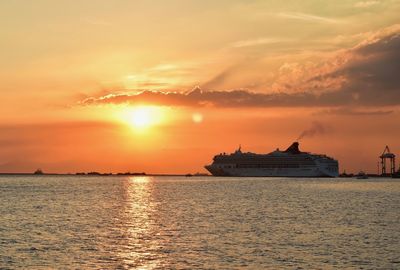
(289, 163)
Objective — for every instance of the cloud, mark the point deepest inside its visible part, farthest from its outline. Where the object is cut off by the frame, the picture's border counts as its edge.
(257, 42)
(355, 112)
(366, 4)
(369, 72)
(233, 98)
(307, 17)
(365, 75)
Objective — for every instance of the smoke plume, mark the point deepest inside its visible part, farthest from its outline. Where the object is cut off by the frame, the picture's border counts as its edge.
(315, 129)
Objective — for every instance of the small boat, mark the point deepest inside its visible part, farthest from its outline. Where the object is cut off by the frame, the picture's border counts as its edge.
(38, 171)
(362, 175)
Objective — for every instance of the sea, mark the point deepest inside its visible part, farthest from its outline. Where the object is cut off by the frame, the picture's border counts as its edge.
(147, 222)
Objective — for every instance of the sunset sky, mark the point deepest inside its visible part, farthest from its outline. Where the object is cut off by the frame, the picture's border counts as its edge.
(163, 86)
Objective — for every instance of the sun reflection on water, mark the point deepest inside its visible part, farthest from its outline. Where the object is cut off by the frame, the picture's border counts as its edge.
(139, 179)
(141, 246)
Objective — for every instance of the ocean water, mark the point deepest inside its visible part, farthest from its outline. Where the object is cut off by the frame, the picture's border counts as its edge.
(71, 222)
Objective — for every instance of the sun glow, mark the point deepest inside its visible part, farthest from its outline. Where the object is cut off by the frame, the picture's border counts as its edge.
(142, 117)
(197, 117)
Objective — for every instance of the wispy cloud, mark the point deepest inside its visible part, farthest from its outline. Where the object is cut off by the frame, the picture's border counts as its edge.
(365, 75)
(258, 41)
(366, 4)
(355, 112)
(307, 17)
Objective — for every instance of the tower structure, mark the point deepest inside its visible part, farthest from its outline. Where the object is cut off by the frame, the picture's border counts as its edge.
(392, 160)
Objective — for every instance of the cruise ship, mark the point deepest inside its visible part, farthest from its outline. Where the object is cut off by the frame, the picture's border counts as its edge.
(289, 163)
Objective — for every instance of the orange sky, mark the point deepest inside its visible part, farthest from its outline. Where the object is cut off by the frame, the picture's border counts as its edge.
(162, 86)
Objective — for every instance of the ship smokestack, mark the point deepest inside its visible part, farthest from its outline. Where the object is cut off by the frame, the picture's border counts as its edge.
(294, 148)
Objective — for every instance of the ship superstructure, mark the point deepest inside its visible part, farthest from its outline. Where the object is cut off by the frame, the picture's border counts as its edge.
(289, 163)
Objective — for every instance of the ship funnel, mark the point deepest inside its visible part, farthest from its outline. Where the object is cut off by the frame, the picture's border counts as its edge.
(294, 148)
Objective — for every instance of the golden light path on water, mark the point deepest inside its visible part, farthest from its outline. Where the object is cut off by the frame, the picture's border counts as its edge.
(139, 209)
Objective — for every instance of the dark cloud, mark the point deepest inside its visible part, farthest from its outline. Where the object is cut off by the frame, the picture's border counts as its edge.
(234, 98)
(371, 73)
(366, 75)
(355, 112)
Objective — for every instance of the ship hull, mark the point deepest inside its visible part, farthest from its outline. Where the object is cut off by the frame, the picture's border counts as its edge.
(271, 172)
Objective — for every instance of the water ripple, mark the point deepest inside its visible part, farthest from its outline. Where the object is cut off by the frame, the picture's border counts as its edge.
(198, 223)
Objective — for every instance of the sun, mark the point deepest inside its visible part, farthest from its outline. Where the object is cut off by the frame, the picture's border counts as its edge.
(142, 117)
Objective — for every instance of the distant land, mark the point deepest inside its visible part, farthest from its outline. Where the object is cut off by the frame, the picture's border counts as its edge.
(94, 173)
(39, 172)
